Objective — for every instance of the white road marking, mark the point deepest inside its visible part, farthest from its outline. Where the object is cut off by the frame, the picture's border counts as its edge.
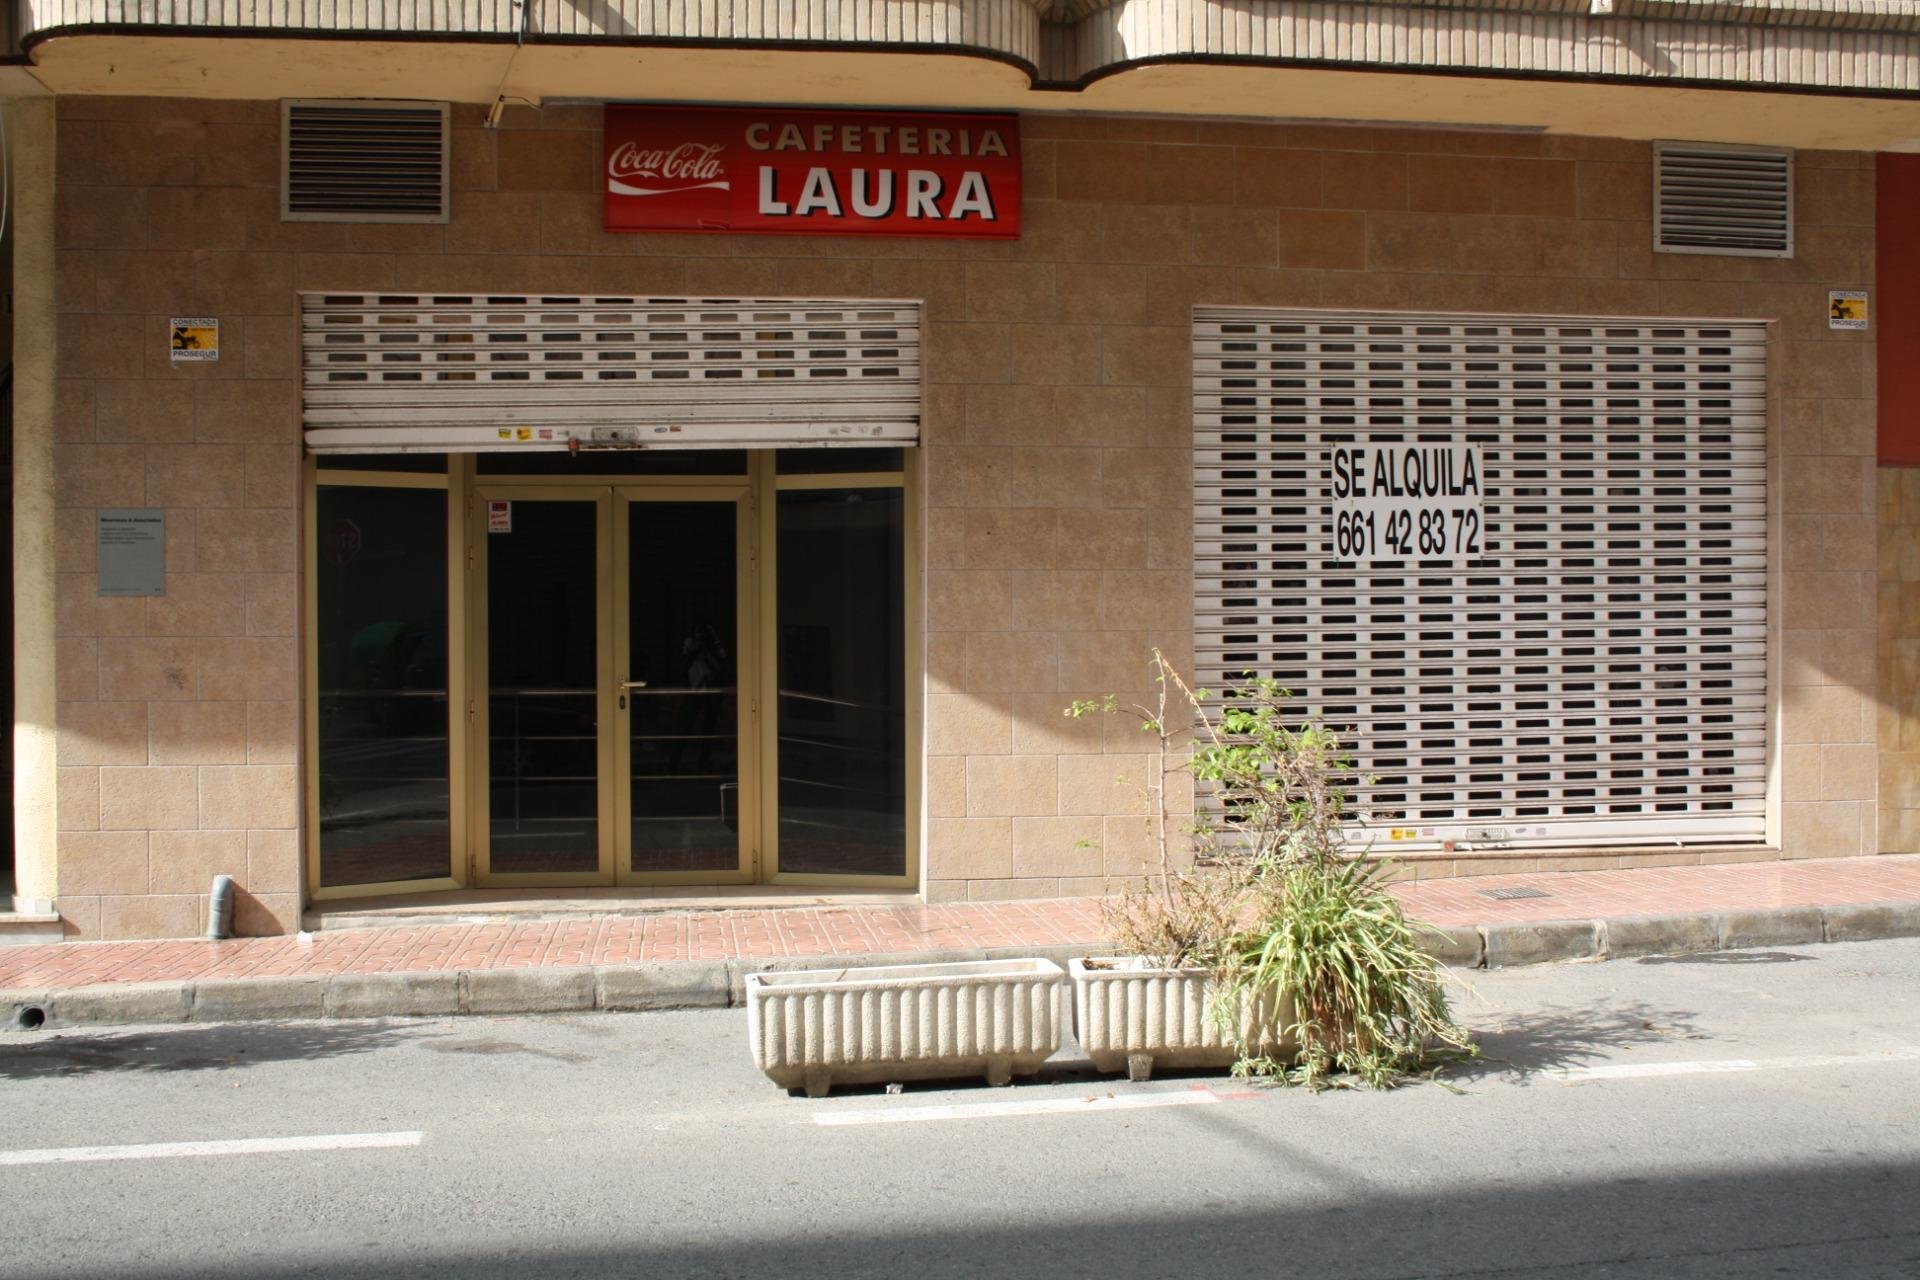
(1727, 1066)
(225, 1147)
(1033, 1107)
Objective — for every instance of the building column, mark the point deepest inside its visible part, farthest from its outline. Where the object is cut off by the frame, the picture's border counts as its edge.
(29, 138)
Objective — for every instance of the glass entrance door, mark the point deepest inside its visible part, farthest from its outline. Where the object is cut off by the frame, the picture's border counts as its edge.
(681, 596)
(611, 715)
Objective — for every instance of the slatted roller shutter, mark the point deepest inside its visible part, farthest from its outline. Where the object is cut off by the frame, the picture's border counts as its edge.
(1597, 671)
(460, 373)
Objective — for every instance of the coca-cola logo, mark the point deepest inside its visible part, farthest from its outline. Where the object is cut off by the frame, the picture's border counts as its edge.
(690, 166)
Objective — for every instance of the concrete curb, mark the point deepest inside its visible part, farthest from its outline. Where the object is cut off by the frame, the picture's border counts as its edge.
(720, 984)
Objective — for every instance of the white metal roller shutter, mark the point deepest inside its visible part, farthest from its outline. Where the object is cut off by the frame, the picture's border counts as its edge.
(1598, 672)
(467, 372)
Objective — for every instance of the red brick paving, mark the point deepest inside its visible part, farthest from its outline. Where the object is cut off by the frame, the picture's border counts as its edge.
(856, 931)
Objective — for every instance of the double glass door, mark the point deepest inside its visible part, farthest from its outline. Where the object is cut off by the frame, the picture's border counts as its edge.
(612, 720)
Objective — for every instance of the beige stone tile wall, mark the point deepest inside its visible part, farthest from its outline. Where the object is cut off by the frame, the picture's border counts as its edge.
(1056, 452)
(1899, 700)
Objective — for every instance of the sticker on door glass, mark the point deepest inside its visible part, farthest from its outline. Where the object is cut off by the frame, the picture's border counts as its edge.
(499, 517)
(1395, 502)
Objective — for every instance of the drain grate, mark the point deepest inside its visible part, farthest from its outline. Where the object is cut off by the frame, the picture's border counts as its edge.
(1521, 892)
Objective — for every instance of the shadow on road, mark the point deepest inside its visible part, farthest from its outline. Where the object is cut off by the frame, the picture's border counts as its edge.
(188, 1048)
(1554, 1038)
(1853, 1219)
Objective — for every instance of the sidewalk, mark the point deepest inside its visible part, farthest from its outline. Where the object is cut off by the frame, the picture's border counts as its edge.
(698, 957)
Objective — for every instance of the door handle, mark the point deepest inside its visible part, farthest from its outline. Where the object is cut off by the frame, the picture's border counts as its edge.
(626, 685)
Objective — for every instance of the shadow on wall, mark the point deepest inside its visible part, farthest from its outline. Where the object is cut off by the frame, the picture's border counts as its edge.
(1851, 1219)
(1899, 660)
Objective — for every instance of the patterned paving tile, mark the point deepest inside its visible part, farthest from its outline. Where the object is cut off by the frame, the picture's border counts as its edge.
(854, 931)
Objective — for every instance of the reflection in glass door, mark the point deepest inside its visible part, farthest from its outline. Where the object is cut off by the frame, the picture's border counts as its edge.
(680, 691)
(543, 685)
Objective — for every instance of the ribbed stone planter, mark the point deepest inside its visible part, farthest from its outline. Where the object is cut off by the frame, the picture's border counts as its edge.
(992, 1018)
(1133, 1018)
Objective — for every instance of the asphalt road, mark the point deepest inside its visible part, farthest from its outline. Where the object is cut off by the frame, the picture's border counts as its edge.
(1730, 1115)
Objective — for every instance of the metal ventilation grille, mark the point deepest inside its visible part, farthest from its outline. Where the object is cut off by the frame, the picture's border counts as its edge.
(387, 372)
(1727, 200)
(365, 162)
(1584, 659)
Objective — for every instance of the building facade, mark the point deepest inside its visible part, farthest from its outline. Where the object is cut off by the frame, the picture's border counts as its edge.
(502, 546)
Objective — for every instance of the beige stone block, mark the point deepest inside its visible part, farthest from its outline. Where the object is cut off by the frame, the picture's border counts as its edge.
(80, 609)
(1849, 772)
(249, 669)
(77, 799)
(1056, 846)
(247, 796)
(1018, 890)
(264, 411)
(1102, 294)
(1011, 786)
(969, 848)
(148, 798)
(1105, 785)
(1147, 356)
(152, 916)
(79, 917)
(1143, 233)
(1141, 600)
(1009, 414)
(1146, 478)
(196, 475)
(1097, 886)
(1324, 239)
(946, 787)
(1011, 539)
(271, 347)
(99, 475)
(1825, 830)
(1821, 714)
(939, 891)
(969, 600)
(76, 673)
(967, 353)
(1054, 478)
(149, 669)
(1057, 355)
(101, 733)
(1363, 180)
(1617, 191)
(946, 662)
(1010, 291)
(73, 540)
(198, 604)
(965, 724)
(273, 475)
(273, 862)
(187, 861)
(143, 411)
(1847, 657)
(1900, 831)
(1232, 237)
(1829, 486)
(1105, 660)
(1828, 600)
(1102, 540)
(1129, 846)
(1408, 241)
(1802, 542)
(1011, 662)
(1800, 773)
(102, 861)
(1450, 184)
(1043, 727)
(1044, 600)
(1276, 178)
(1899, 779)
(199, 733)
(273, 731)
(100, 346)
(265, 915)
(272, 604)
(1115, 417)
(245, 541)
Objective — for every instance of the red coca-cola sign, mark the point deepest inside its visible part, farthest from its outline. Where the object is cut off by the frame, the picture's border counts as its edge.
(761, 170)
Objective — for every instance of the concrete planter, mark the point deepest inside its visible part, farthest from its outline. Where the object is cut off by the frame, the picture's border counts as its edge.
(994, 1018)
(1134, 1018)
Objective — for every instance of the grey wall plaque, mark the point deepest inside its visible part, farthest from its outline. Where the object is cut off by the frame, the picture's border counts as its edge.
(133, 551)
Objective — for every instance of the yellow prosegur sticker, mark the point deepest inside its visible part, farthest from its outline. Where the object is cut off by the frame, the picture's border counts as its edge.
(1403, 833)
(195, 338)
(1846, 309)
(523, 433)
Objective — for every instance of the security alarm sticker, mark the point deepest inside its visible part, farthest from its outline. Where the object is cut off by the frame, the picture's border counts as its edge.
(499, 517)
(1846, 309)
(1399, 502)
(195, 338)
